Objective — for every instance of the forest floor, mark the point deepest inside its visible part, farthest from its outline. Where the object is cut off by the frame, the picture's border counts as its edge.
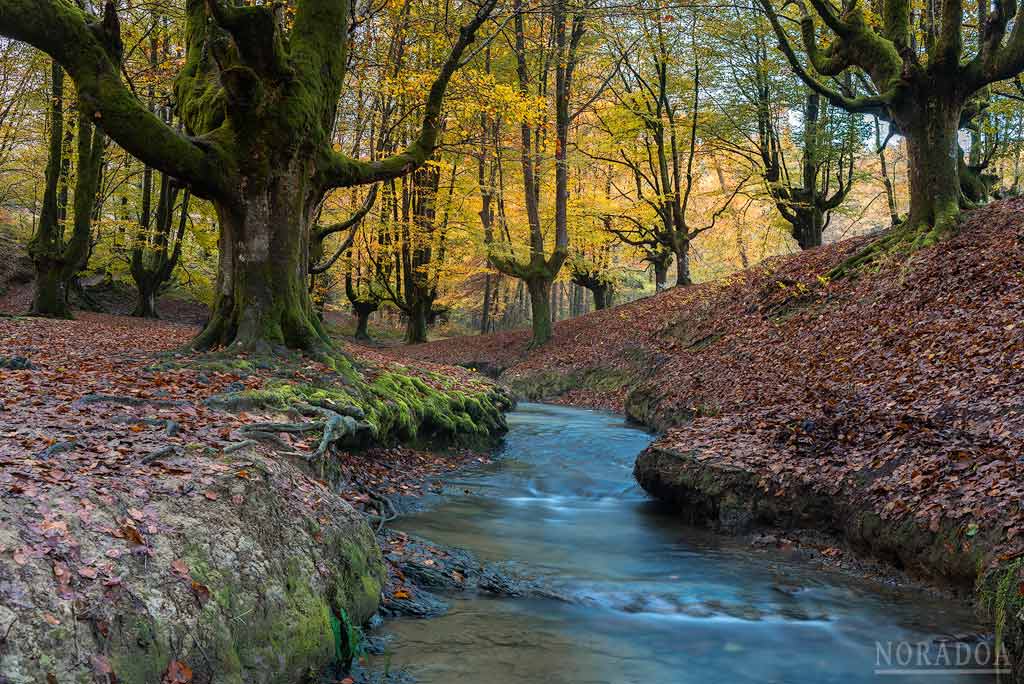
(892, 397)
(97, 393)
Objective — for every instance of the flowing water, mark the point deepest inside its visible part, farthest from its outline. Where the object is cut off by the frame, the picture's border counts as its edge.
(658, 602)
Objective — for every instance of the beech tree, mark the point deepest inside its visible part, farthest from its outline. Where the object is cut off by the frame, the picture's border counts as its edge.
(157, 248)
(922, 79)
(257, 95)
(539, 269)
(58, 260)
(592, 271)
(664, 177)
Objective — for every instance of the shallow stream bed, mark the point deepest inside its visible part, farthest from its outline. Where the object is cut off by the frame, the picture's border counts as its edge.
(653, 600)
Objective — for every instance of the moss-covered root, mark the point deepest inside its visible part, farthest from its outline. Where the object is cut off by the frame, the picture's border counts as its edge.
(907, 237)
(396, 405)
(406, 407)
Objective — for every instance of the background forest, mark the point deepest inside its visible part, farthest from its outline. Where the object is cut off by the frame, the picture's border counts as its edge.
(588, 154)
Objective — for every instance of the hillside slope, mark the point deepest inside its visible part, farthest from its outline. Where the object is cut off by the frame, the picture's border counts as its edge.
(887, 408)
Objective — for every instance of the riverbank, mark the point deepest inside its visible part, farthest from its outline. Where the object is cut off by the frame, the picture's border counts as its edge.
(192, 518)
(883, 408)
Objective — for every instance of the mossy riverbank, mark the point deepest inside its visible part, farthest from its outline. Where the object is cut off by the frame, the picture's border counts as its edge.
(164, 513)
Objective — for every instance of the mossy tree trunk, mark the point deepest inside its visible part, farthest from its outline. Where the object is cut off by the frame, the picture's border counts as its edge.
(416, 320)
(257, 95)
(597, 283)
(261, 293)
(540, 308)
(661, 261)
(362, 311)
(58, 260)
(933, 154)
(681, 250)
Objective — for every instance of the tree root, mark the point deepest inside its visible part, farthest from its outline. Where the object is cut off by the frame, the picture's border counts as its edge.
(383, 517)
(292, 428)
(238, 446)
(54, 449)
(271, 437)
(906, 237)
(158, 454)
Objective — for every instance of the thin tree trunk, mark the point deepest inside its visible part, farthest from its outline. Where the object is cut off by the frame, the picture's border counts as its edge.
(540, 309)
(485, 311)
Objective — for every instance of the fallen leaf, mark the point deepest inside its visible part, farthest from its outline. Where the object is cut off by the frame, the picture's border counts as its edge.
(177, 672)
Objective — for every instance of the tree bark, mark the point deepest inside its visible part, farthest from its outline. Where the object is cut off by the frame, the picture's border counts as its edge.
(362, 324)
(933, 152)
(681, 249)
(362, 311)
(808, 226)
(485, 313)
(540, 309)
(417, 316)
(145, 307)
(262, 301)
(660, 274)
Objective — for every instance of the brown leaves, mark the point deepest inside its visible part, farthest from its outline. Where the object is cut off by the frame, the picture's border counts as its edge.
(179, 568)
(131, 533)
(177, 672)
(201, 591)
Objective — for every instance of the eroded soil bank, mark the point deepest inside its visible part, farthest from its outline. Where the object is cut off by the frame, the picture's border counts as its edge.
(884, 408)
(166, 517)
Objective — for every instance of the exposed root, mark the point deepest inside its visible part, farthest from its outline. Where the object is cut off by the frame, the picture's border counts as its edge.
(272, 438)
(54, 449)
(908, 237)
(238, 446)
(292, 428)
(156, 455)
(386, 511)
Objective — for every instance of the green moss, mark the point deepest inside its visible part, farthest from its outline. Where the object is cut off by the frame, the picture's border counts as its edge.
(999, 595)
(406, 407)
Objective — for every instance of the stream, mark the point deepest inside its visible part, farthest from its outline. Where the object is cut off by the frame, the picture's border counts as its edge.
(656, 601)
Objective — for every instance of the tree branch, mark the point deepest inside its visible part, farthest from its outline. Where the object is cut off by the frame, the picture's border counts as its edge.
(868, 104)
(339, 170)
(63, 31)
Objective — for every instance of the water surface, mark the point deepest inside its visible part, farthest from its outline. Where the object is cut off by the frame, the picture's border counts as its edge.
(658, 602)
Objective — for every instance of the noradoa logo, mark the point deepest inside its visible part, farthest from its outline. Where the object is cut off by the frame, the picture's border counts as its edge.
(895, 658)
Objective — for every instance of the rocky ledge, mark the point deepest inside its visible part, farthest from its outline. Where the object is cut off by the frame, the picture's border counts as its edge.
(250, 572)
